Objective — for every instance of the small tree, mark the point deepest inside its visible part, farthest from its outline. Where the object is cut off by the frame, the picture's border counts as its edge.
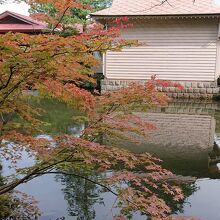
(75, 15)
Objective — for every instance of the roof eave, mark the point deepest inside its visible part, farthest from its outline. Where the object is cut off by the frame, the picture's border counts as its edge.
(156, 16)
(20, 17)
(22, 31)
(7, 13)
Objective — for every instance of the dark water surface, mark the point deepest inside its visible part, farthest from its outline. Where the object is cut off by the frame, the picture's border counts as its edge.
(187, 139)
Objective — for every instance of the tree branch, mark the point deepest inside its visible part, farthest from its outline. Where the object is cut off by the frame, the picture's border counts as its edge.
(82, 177)
(61, 18)
(33, 174)
(9, 78)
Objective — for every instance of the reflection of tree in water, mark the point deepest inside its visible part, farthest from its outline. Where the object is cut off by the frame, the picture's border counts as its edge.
(214, 160)
(4, 201)
(188, 189)
(58, 117)
(81, 196)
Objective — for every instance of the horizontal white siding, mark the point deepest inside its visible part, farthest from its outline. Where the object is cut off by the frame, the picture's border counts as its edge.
(171, 49)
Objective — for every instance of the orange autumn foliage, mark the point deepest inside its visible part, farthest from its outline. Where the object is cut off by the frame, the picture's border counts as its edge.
(56, 66)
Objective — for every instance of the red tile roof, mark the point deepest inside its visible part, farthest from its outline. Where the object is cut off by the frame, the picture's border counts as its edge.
(20, 28)
(160, 8)
(29, 25)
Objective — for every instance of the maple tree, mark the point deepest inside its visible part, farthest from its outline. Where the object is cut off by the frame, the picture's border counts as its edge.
(56, 66)
(76, 14)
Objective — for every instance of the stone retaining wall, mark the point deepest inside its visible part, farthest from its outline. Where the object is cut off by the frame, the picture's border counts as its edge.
(205, 90)
(188, 106)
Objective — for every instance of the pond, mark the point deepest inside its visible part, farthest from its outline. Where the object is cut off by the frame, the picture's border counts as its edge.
(187, 139)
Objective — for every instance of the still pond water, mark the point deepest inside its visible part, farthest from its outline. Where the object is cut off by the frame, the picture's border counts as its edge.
(187, 139)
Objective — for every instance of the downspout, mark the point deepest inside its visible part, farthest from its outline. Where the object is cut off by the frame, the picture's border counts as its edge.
(104, 56)
(217, 70)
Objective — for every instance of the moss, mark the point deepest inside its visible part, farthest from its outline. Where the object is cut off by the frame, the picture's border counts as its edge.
(1, 180)
(1, 177)
(5, 202)
(5, 206)
(216, 97)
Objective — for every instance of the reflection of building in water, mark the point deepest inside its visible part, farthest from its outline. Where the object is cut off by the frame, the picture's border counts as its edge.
(184, 137)
(181, 134)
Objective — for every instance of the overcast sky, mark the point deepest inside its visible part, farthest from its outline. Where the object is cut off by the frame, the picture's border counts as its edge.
(23, 9)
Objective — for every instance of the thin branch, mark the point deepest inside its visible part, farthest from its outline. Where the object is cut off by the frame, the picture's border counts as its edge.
(157, 5)
(61, 18)
(33, 174)
(111, 109)
(9, 78)
(160, 4)
(82, 177)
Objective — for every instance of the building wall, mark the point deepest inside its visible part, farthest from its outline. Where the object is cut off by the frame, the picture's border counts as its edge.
(173, 49)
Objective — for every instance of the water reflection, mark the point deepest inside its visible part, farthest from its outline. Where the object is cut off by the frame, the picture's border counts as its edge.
(58, 118)
(81, 196)
(187, 138)
(183, 139)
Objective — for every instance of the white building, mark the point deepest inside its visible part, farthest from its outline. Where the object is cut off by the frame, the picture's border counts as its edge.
(181, 43)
